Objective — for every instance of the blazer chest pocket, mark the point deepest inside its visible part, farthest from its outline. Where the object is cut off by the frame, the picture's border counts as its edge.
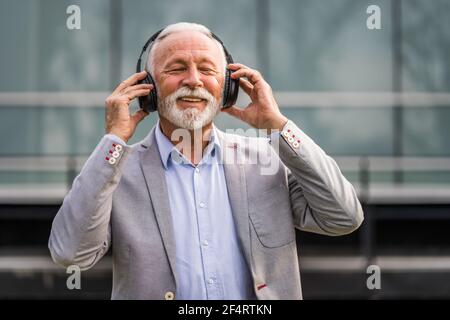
(271, 216)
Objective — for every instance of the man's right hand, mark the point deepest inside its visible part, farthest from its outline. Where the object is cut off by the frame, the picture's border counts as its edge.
(118, 119)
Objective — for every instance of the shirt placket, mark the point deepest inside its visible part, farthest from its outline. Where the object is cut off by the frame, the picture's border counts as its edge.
(207, 247)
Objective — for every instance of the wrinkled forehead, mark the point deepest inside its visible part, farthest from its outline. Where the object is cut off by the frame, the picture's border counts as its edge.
(188, 44)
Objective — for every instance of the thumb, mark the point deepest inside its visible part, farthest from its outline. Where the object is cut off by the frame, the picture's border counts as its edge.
(234, 111)
(138, 116)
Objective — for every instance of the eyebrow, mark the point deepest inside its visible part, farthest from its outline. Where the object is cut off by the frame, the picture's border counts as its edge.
(175, 61)
(183, 62)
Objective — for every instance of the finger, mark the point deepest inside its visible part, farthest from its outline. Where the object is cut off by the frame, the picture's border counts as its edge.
(234, 111)
(252, 75)
(131, 80)
(137, 93)
(138, 116)
(137, 87)
(237, 66)
(246, 86)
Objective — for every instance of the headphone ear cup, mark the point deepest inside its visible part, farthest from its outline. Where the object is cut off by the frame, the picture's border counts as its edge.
(153, 96)
(226, 88)
(231, 90)
(149, 103)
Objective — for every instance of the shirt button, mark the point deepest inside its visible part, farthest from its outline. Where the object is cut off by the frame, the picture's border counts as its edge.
(169, 295)
(115, 154)
(205, 243)
(202, 205)
(197, 170)
(211, 281)
(118, 148)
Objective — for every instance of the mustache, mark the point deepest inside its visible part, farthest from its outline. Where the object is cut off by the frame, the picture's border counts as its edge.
(200, 93)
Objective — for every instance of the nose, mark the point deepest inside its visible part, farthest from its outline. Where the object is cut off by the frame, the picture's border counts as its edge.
(192, 79)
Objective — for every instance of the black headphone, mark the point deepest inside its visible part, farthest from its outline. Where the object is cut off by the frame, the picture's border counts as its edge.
(150, 103)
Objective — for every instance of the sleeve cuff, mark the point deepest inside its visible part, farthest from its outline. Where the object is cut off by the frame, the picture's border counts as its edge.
(115, 150)
(290, 134)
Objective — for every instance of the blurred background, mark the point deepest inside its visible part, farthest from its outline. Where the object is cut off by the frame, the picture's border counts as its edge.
(378, 101)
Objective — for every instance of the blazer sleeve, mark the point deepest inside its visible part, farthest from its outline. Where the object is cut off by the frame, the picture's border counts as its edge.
(81, 232)
(322, 199)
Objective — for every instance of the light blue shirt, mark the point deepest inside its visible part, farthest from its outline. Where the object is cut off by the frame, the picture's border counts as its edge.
(209, 260)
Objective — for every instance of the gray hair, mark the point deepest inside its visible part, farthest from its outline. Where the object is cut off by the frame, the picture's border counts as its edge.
(178, 27)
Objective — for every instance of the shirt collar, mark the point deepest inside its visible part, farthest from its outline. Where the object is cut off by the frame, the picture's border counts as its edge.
(167, 148)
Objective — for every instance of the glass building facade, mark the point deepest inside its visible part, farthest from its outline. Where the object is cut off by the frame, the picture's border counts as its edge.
(335, 78)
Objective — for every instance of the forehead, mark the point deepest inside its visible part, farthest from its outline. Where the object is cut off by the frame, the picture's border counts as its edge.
(187, 44)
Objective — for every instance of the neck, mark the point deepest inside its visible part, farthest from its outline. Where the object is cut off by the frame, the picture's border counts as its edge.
(191, 143)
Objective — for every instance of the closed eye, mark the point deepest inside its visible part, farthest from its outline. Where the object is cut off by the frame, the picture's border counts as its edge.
(177, 69)
(207, 71)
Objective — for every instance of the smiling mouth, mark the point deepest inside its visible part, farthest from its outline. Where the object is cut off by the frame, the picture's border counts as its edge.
(191, 99)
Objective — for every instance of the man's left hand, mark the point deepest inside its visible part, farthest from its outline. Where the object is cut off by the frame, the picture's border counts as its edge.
(262, 112)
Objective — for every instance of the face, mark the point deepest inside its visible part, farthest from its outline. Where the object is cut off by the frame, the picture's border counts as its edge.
(189, 74)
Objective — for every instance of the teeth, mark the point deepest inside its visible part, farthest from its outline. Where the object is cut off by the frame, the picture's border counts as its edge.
(191, 99)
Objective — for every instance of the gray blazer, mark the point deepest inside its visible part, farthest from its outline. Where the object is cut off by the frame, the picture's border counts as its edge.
(121, 199)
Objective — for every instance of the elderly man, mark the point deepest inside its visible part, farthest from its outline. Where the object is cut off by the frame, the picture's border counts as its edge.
(182, 222)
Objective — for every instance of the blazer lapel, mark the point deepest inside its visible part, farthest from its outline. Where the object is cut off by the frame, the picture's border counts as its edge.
(237, 191)
(155, 179)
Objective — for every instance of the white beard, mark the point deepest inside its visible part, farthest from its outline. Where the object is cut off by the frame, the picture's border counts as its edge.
(189, 118)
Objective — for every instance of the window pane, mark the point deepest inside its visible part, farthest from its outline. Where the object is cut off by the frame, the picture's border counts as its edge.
(426, 45)
(426, 131)
(346, 131)
(39, 52)
(326, 46)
